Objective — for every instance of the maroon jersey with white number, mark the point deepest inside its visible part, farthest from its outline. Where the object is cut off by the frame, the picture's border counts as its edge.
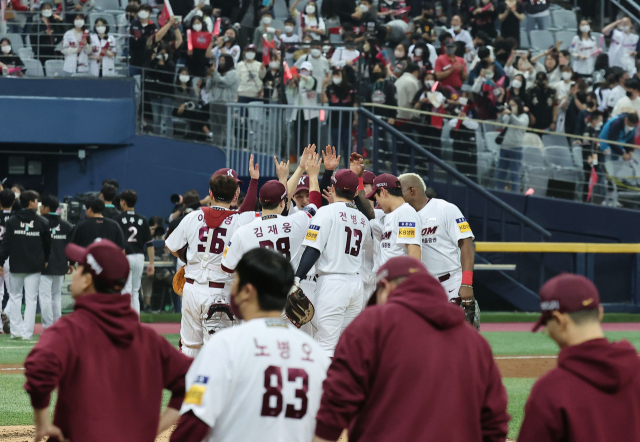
(193, 231)
(260, 381)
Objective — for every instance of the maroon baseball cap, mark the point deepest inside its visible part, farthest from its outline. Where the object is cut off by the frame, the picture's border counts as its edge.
(228, 172)
(345, 180)
(566, 293)
(303, 184)
(273, 191)
(385, 180)
(104, 260)
(398, 267)
(368, 177)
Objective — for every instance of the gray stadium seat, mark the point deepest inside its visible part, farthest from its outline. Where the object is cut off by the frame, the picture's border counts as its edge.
(25, 53)
(561, 160)
(524, 39)
(565, 37)
(554, 140)
(565, 19)
(532, 157)
(53, 68)
(541, 40)
(108, 5)
(536, 178)
(277, 24)
(34, 68)
(16, 41)
(576, 152)
(109, 17)
(490, 142)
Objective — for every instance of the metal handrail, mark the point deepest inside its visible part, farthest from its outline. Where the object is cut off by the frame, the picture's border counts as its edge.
(457, 175)
(631, 15)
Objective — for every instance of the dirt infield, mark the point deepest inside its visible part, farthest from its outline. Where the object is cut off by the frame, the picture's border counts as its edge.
(26, 433)
(525, 366)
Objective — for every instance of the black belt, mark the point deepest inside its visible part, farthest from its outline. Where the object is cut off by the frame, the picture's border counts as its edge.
(213, 285)
(443, 278)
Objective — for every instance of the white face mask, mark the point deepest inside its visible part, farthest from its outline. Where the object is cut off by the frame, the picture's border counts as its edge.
(517, 84)
(78, 23)
(456, 28)
(184, 78)
(101, 29)
(598, 126)
(463, 101)
(197, 27)
(628, 129)
(310, 9)
(336, 80)
(566, 75)
(266, 20)
(6, 49)
(288, 29)
(585, 28)
(143, 15)
(364, 8)
(274, 65)
(315, 52)
(488, 75)
(625, 28)
(429, 84)
(418, 52)
(398, 54)
(250, 55)
(326, 49)
(47, 13)
(304, 73)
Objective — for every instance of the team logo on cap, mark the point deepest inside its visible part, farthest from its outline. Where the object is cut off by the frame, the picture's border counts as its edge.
(384, 184)
(94, 264)
(230, 173)
(550, 305)
(587, 302)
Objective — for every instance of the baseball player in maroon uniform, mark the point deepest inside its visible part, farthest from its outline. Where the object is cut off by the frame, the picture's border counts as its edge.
(411, 369)
(109, 370)
(594, 393)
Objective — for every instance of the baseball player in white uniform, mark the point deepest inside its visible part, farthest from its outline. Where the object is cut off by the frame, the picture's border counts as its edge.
(333, 243)
(400, 235)
(205, 232)
(447, 239)
(259, 381)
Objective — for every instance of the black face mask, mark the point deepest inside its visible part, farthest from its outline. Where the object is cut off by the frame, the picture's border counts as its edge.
(629, 94)
(375, 76)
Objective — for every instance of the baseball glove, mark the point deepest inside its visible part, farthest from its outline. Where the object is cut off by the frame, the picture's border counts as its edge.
(179, 281)
(299, 308)
(471, 310)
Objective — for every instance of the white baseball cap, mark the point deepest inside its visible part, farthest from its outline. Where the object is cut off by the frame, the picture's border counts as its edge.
(306, 65)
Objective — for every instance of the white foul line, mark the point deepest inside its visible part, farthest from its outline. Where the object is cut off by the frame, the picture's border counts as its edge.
(4, 369)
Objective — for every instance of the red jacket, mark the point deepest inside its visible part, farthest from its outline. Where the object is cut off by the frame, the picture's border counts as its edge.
(109, 370)
(592, 396)
(413, 370)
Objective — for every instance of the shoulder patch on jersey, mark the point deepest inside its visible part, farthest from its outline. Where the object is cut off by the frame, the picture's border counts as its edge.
(464, 227)
(195, 394)
(312, 234)
(310, 211)
(461, 220)
(201, 380)
(275, 322)
(406, 229)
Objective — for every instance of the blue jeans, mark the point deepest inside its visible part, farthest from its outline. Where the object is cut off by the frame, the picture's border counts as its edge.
(162, 108)
(510, 162)
(542, 22)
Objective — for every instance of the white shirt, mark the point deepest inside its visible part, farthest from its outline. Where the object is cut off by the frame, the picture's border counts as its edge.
(587, 48)
(619, 48)
(616, 94)
(260, 381)
(106, 63)
(626, 102)
(339, 231)
(371, 261)
(193, 231)
(250, 78)
(464, 37)
(342, 55)
(562, 89)
(443, 225)
(400, 229)
(283, 234)
(74, 62)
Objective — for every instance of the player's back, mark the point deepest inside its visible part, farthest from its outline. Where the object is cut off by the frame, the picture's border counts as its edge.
(95, 229)
(400, 227)
(262, 382)
(136, 231)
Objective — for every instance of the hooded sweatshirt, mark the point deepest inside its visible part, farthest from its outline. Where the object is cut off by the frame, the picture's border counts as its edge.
(413, 370)
(27, 242)
(109, 369)
(592, 396)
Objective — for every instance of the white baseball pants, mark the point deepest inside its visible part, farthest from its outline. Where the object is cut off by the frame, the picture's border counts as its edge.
(338, 300)
(50, 296)
(30, 283)
(5, 279)
(195, 329)
(134, 281)
(452, 285)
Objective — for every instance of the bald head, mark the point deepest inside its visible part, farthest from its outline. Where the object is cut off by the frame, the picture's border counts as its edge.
(413, 190)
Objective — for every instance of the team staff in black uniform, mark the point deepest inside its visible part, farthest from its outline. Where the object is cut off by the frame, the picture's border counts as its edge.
(108, 194)
(96, 227)
(27, 243)
(7, 198)
(51, 280)
(138, 237)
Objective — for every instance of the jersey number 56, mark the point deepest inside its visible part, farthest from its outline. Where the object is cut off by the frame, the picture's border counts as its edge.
(272, 402)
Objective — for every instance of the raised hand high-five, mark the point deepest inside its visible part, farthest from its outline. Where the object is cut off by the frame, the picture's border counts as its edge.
(282, 170)
(306, 153)
(254, 170)
(356, 164)
(331, 161)
(313, 165)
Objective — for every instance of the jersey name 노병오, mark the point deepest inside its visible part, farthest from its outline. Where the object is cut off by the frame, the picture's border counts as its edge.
(136, 232)
(193, 231)
(261, 380)
(443, 225)
(400, 228)
(339, 231)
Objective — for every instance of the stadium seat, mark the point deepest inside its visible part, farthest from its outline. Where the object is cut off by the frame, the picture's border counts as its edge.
(490, 142)
(532, 157)
(34, 68)
(53, 68)
(108, 5)
(576, 152)
(25, 53)
(536, 178)
(107, 16)
(541, 40)
(565, 37)
(561, 160)
(554, 140)
(524, 39)
(277, 24)
(445, 138)
(16, 41)
(565, 20)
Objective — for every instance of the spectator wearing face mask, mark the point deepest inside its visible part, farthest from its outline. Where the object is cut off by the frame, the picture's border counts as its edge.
(289, 37)
(338, 91)
(346, 55)
(584, 50)
(618, 92)
(591, 105)
(460, 34)
(76, 47)
(450, 69)
(563, 86)
(381, 90)
(543, 104)
(187, 104)
(551, 65)
(423, 54)
(203, 11)
(103, 51)
(518, 88)
(130, 14)
(435, 100)
(510, 160)
(160, 88)
(223, 88)
(573, 104)
(198, 59)
(264, 30)
(400, 60)
(621, 129)
(251, 73)
(462, 9)
(302, 91)
(537, 14)
(272, 80)
(320, 65)
(490, 93)
(630, 103)
(11, 64)
(520, 66)
(485, 60)
(226, 45)
(309, 22)
(143, 34)
(47, 34)
(425, 23)
(364, 13)
(622, 48)
(591, 154)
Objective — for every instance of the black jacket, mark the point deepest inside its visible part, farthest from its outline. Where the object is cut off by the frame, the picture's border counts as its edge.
(27, 242)
(60, 235)
(90, 229)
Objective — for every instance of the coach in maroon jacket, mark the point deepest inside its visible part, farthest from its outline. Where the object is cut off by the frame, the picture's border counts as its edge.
(594, 393)
(109, 370)
(412, 369)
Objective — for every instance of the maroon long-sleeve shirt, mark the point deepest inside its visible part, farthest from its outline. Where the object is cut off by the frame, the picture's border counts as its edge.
(592, 396)
(109, 370)
(413, 370)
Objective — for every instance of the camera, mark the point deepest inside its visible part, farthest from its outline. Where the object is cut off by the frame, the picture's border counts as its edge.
(189, 105)
(176, 199)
